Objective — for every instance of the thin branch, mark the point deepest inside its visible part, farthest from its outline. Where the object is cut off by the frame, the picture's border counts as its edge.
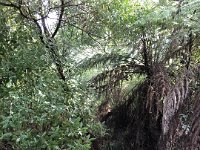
(67, 5)
(60, 18)
(40, 31)
(16, 6)
(9, 5)
(88, 33)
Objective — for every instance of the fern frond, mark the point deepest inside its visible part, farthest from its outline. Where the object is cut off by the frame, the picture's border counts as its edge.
(103, 59)
(108, 80)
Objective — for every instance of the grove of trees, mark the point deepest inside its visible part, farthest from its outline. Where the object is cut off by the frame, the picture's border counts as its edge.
(99, 74)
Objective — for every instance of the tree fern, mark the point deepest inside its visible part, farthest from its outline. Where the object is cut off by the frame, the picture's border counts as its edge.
(165, 44)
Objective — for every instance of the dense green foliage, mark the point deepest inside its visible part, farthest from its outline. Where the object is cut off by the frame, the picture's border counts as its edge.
(38, 110)
(50, 66)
